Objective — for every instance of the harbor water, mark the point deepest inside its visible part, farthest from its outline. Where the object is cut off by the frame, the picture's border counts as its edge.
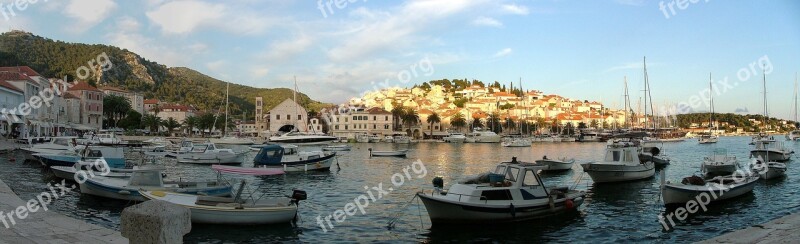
(622, 212)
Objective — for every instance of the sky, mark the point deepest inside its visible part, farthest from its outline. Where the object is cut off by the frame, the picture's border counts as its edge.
(577, 49)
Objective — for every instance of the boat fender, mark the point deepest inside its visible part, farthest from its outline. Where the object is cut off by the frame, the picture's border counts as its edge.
(569, 204)
(513, 211)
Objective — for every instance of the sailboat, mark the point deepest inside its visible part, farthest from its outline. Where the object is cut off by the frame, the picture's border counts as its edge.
(710, 137)
(521, 140)
(227, 139)
(767, 148)
(795, 134)
(300, 138)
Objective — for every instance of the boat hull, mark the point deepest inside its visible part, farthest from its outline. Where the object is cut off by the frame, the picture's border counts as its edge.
(555, 165)
(201, 158)
(771, 155)
(674, 194)
(607, 173)
(131, 193)
(320, 164)
(443, 211)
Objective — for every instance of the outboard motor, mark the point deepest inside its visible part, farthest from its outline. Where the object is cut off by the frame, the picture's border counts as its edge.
(438, 182)
(298, 195)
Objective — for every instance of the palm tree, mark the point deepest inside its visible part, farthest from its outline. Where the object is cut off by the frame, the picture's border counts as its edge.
(458, 121)
(434, 118)
(410, 117)
(190, 123)
(152, 122)
(170, 124)
(398, 112)
(115, 108)
(156, 109)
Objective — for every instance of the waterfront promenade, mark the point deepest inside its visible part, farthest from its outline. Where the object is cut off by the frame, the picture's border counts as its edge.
(781, 230)
(47, 226)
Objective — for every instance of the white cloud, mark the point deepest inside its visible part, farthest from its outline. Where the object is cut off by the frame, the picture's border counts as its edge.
(216, 66)
(186, 16)
(515, 9)
(502, 53)
(283, 50)
(127, 24)
(259, 72)
(88, 13)
(486, 21)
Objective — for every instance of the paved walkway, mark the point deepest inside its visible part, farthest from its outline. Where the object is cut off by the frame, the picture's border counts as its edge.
(49, 227)
(781, 230)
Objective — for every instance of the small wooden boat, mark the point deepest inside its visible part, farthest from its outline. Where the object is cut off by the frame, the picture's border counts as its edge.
(289, 159)
(209, 153)
(768, 170)
(399, 153)
(555, 164)
(90, 169)
(715, 189)
(512, 192)
(719, 163)
(238, 209)
(147, 179)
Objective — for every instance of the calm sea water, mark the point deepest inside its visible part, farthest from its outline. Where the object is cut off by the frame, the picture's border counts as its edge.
(626, 212)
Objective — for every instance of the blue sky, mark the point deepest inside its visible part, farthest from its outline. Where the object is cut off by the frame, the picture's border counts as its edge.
(579, 49)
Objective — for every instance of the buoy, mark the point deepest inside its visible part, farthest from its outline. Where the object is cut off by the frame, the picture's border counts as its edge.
(569, 204)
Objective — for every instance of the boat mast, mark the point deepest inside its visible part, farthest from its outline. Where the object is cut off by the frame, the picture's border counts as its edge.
(711, 103)
(647, 94)
(766, 113)
(225, 127)
(627, 105)
(294, 97)
(795, 98)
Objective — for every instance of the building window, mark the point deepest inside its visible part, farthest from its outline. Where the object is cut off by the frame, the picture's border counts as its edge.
(345, 127)
(374, 126)
(387, 118)
(277, 117)
(355, 118)
(385, 127)
(288, 117)
(374, 117)
(299, 117)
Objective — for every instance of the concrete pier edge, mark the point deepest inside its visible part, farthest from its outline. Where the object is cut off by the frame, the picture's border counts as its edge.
(49, 226)
(780, 230)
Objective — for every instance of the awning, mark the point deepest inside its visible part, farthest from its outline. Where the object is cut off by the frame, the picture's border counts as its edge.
(33, 122)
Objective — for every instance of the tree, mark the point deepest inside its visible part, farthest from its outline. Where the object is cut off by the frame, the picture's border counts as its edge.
(170, 124)
(433, 119)
(410, 117)
(190, 123)
(133, 120)
(398, 112)
(460, 102)
(156, 109)
(115, 108)
(593, 124)
(569, 129)
(458, 121)
(506, 106)
(152, 122)
(581, 125)
(494, 122)
(477, 123)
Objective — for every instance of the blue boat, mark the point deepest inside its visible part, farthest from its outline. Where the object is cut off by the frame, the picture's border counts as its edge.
(289, 159)
(114, 156)
(148, 179)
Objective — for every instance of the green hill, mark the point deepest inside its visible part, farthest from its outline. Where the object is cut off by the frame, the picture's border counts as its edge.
(52, 58)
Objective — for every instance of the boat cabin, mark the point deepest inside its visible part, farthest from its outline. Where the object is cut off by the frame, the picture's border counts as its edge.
(622, 152)
(274, 155)
(510, 181)
(147, 177)
(199, 148)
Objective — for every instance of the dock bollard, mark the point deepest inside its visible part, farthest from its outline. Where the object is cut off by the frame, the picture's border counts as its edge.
(155, 221)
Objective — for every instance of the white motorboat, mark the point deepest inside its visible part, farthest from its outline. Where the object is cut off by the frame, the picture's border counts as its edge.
(513, 192)
(567, 139)
(185, 146)
(288, 159)
(621, 163)
(208, 153)
(299, 138)
(516, 142)
(106, 138)
(232, 140)
(793, 136)
(398, 153)
(362, 138)
(481, 136)
(388, 139)
(243, 208)
(374, 138)
(771, 150)
(589, 136)
(56, 145)
(768, 170)
(147, 179)
(455, 138)
(337, 148)
(720, 163)
(715, 189)
(401, 138)
(707, 139)
(555, 164)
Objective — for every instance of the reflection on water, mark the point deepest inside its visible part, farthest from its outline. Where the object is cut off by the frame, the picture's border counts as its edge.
(623, 212)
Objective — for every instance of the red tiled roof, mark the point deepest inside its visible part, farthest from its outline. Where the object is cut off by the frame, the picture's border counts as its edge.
(7, 85)
(150, 101)
(70, 96)
(175, 107)
(83, 86)
(377, 110)
(20, 69)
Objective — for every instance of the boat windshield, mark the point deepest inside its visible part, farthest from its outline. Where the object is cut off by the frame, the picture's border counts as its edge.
(146, 178)
(512, 174)
(530, 178)
(501, 169)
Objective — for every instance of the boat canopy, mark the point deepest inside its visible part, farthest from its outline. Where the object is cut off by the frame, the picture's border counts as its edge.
(269, 155)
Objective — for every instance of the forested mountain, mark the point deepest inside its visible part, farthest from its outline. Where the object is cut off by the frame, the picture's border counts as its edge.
(739, 121)
(130, 71)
